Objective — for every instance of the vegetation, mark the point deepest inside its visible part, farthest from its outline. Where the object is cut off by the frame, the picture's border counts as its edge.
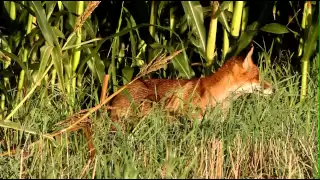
(55, 55)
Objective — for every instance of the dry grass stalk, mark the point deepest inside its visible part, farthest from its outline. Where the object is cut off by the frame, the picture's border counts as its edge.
(219, 162)
(84, 16)
(94, 168)
(21, 172)
(85, 169)
(104, 88)
(157, 63)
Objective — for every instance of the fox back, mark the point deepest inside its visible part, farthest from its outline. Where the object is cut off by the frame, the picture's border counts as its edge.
(238, 76)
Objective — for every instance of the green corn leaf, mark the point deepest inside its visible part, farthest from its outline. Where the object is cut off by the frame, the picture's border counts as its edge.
(223, 18)
(181, 63)
(244, 40)
(311, 41)
(45, 55)
(275, 28)
(16, 59)
(131, 23)
(70, 41)
(88, 26)
(58, 33)
(194, 12)
(44, 26)
(127, 74)
(183, 24)
(309, 47)
(57, 61)
(50, 5)
(30, 11)
(99, 67)
(222, 8)
(161, 7)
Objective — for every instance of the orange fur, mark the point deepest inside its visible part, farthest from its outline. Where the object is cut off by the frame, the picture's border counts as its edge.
(239, 75)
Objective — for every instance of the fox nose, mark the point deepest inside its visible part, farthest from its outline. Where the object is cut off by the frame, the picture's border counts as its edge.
(267, 88)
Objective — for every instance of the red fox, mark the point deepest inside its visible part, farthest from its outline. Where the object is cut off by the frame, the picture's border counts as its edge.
(238, 75)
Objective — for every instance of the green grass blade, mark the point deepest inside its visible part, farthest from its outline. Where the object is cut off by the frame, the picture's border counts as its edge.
(80, 44)
(17, 126)
(28, 95)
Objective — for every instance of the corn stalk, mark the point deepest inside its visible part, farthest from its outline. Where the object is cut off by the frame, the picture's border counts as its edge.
(153, 18)
(25, 60)
(236, 19)
(226, 43)
(77, 52)
(211, 43)
(245, 16)
(311, 31)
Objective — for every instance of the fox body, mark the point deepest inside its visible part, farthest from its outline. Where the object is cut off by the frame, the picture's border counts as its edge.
(238, 75)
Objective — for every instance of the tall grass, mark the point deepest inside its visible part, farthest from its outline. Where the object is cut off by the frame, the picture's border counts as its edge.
(55, 55)
(260, 139)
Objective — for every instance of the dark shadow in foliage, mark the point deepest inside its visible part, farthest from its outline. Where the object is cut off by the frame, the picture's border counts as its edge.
(256, 20)
(12, 28)
(108, 13)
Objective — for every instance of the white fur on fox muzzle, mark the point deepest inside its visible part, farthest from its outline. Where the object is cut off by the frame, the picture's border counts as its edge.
(254, 88)
(267, 91)
(267, 88)
(246, 88)
(264, 91)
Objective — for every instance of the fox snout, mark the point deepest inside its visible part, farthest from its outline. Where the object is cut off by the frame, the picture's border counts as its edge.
(267, 88)
(264, 88)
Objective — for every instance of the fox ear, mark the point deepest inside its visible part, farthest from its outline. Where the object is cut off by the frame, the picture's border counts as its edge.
(248, 60)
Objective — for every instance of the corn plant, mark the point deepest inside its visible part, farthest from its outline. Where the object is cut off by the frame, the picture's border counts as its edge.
(60, 51)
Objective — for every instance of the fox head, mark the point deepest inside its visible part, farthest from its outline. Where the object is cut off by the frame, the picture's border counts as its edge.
(245, 77)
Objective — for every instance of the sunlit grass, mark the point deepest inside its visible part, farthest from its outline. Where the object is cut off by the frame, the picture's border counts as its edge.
(263, 137)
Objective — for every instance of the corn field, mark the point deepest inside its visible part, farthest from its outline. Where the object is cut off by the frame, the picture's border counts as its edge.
(58, 52)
